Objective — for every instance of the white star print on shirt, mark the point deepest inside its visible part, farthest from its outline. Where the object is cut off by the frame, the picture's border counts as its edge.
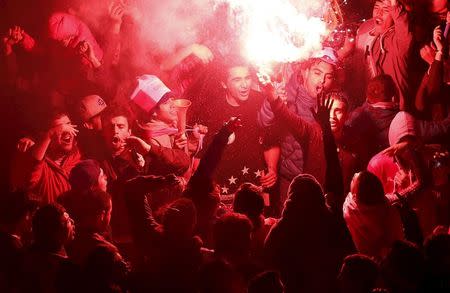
(258, 173)
(245, 170)
(224, 190)
(232, 180)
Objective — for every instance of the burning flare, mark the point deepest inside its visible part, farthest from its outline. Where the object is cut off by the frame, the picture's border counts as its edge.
(279, 30)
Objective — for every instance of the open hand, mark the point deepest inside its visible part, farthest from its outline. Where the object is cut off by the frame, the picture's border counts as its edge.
(24, 144)
(15, 35)
(59, 129)
(322, 114)
(437, 38)
(116, 11)
(427, 53)
(268, 87)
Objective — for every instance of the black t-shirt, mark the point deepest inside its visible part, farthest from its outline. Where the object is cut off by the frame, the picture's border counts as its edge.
(243, 159)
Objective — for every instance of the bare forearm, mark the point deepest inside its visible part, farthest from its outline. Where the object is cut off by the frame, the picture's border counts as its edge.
(40, 148)
(272, 157)
(176, 58)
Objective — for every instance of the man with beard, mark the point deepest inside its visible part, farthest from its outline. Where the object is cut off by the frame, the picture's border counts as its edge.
(233, 97)
(302, 91)
(128, 156)
(50, 160)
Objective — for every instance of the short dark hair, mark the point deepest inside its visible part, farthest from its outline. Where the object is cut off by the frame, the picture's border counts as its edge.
(381, 88)
(83, 206)
(403, 266)
(116, 111)
(230, 62)
(180, 216)
(14, 206)
(248, 200)
(49, 116)
(48, 227)
(339, 96)
(370, 189)
(360, 269)
(231, 232)
(437, 251)
(84, 175)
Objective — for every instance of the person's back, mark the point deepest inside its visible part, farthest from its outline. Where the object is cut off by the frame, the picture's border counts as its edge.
(307, 244)
(178, 257)
(92, 211)
(437, 250)
(366, 130)
(403, 268)
(372, 221)
(15, 224)
(359, 274)
(105, 271)
(249, 200)
(45, 266)
(47, 272)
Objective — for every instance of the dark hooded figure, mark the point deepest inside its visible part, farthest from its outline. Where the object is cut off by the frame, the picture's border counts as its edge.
(307, 245)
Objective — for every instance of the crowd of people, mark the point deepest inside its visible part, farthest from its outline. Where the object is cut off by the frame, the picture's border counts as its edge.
(192, 172)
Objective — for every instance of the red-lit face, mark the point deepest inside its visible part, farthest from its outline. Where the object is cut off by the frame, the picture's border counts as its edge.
(115, 131)
(437, 6)
(382, 16)
(96, 123)
(319, 77)
(65, 140)
(239, 83)
(338, 115)
(102, 181)
(167, 112)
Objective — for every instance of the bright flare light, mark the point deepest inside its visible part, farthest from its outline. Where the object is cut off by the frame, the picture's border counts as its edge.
(274, 31)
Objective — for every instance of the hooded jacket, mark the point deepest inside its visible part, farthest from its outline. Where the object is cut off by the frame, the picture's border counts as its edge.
(388, 53)
(307, 245)
(373, 228)
(292, 153)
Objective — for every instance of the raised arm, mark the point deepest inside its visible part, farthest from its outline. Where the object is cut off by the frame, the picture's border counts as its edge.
(143, 224)
(200, 51)
(403, 29)
(175, 160)
(334, 182)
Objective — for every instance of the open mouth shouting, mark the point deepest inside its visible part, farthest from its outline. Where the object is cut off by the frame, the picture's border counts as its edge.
(244, 93)
(117, 142)
(66, 138)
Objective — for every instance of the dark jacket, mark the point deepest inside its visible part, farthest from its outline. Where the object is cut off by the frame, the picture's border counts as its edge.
(170, 261)
(366, 129)
(293, 161)
(307, 245)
